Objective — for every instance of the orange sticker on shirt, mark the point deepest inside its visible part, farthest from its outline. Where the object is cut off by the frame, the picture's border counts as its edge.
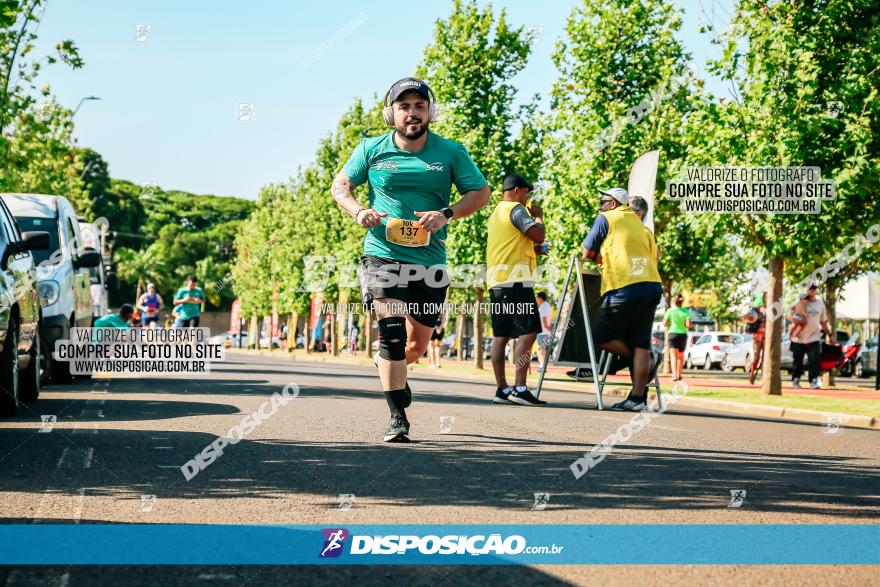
(406, 233)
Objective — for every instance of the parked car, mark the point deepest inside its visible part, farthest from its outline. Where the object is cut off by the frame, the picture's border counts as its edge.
(63, 280)
(97, 276)
(708, 351)
(229, 340)
(19, 314)
(657, 341)
(739, 354)
(866, 363)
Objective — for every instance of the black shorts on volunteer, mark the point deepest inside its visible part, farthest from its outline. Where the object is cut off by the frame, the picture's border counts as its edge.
(629, 321)
(514, 311)
(678, 341)
(423, 297)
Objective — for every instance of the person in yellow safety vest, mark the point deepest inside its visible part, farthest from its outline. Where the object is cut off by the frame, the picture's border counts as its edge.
(515, 235)
(630, 290)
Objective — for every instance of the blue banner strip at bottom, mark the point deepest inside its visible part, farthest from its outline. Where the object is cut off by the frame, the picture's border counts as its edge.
(183, 544)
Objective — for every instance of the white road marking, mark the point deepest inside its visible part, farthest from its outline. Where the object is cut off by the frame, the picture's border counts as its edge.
(64, 454)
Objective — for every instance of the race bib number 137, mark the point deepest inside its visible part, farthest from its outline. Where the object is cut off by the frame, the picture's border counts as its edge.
(406, 233)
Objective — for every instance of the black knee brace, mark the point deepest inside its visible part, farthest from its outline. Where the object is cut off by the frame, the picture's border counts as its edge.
(392, 338)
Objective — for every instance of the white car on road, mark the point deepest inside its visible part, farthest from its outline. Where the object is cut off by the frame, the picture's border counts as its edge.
(708, 351)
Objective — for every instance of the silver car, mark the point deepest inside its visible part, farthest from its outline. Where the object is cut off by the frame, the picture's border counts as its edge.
(739, 354)
(709, 349)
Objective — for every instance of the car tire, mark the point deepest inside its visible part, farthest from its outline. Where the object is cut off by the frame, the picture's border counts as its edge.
(45, 363)
(61, 372)
(61, 369)
(9, 372)
(858, 369)
(29, 380)
(725, 365)
(707, 364)
(688, 363)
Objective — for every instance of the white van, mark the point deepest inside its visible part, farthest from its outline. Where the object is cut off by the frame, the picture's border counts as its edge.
(62, 273)
(92, 240)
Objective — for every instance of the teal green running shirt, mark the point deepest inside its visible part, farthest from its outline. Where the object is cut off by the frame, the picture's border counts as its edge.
(402, 183)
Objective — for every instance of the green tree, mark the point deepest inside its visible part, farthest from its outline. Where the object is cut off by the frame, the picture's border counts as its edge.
(788, 61)
(624, 89)
(470, 64)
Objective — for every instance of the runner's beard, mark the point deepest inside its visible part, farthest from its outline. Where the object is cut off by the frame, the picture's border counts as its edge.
(421, 128)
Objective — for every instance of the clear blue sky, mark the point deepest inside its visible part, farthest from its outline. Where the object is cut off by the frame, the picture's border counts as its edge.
(168, 104)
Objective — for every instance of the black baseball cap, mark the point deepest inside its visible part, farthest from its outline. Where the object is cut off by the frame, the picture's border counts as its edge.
(514, 180)
(409, 84)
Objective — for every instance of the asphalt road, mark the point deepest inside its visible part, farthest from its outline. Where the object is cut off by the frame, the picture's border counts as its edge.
(116, 441)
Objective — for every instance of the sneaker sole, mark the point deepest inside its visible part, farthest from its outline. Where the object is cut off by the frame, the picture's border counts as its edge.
(638, 408)
(399, 437)
(498, 400)
(523, 402)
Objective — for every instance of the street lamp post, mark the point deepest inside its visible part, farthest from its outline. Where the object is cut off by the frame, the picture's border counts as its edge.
(75, 110)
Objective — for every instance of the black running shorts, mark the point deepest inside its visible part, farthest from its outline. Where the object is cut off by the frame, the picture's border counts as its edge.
(678, 341)
(629, 321)
(422, 298)
(514, 311)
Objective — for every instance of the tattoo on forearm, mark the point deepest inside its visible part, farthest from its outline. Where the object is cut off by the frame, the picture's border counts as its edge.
(340, 189)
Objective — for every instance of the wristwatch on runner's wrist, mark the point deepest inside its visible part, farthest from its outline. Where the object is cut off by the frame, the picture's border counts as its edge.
(447, 211)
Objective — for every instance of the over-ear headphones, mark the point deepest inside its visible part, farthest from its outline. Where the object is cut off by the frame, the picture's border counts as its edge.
(388, 111)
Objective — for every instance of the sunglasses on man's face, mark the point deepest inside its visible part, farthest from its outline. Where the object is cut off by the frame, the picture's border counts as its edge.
(604, 201)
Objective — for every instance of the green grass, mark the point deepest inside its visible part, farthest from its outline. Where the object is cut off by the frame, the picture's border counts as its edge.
(856, 407)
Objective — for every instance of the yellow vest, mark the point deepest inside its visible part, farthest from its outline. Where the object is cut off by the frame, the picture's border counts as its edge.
(629, 253)
(510, 255)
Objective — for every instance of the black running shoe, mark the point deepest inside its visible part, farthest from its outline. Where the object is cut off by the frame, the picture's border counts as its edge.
(525, 398)
(502, 395)
(408, 400)
(398, 429)
(629, 405)
(582, 374)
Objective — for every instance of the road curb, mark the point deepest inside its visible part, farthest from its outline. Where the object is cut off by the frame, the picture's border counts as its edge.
(782, 413)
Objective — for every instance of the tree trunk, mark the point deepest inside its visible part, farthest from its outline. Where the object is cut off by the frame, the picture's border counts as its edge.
(831, 307)
(478, 331)
(771, 384)
(334, 339)
(459, 326)
(291, 332)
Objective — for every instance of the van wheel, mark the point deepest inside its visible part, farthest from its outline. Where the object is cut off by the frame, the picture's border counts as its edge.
(9, 372)
(45, 363)
(29, 384)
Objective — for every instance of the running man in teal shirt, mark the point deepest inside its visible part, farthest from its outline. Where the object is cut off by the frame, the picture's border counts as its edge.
(188, 301)
(410, 172)
(677, 322)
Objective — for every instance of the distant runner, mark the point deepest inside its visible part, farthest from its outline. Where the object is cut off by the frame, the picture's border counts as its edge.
(188, 301)
(410, 172)
(150, 304)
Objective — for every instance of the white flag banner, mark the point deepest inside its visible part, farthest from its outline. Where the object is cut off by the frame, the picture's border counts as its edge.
(643, 181)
